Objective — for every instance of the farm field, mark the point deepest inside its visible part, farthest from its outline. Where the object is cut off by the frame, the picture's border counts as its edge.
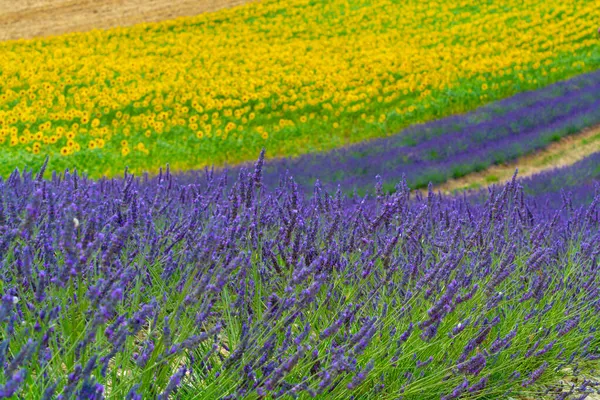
(299, 199)
(454, 147)
(243, 292)
(290, 76)
(563, 153)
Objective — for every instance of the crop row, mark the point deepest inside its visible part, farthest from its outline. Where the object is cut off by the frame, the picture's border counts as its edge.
(575, 183)
(454, 146)
(146, 287)
(292, 76)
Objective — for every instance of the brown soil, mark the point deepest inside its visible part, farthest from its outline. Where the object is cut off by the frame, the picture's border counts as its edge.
(24, 19)
(565, 152)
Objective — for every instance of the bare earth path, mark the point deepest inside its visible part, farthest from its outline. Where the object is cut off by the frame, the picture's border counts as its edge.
(23, 19)
(565, 152)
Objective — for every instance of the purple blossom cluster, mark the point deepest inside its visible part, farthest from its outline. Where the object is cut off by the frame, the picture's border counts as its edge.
(173, 287)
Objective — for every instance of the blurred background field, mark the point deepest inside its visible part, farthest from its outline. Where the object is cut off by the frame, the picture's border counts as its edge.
(294, 77)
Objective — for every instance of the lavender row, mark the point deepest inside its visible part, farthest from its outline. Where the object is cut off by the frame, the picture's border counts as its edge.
(455, 146)
(559, 189)
(563, 187)
(199, 287)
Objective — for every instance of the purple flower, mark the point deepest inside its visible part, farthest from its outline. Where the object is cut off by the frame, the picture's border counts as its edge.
(421, 364)
(569, 326)
(457, 391)
(473, 366)
(361, 375)
(12, 384)
(480, 385)
(174, 383)
(545, 349)
(535, 375)
(406, 334)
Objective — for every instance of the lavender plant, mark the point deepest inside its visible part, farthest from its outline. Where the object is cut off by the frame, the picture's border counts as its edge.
(167, 288)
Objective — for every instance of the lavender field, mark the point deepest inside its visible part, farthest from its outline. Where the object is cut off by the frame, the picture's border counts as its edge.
(455, 146)
(150, 288)
(249, 204)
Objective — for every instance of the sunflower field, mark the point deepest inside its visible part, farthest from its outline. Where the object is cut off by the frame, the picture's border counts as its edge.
(294, 77)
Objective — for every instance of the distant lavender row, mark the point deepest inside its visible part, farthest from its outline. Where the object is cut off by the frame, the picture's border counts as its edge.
(151, 288)
(577, 182)
(455, 146)
(557, 189)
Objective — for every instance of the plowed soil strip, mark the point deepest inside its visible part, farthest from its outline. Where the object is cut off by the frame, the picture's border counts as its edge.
(24, 19)
(564, 152)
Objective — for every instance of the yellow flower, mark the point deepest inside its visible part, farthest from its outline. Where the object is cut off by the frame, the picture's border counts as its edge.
(172, 82)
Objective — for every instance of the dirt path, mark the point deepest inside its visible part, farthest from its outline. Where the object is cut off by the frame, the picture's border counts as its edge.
(567, 151)
(33, 18)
